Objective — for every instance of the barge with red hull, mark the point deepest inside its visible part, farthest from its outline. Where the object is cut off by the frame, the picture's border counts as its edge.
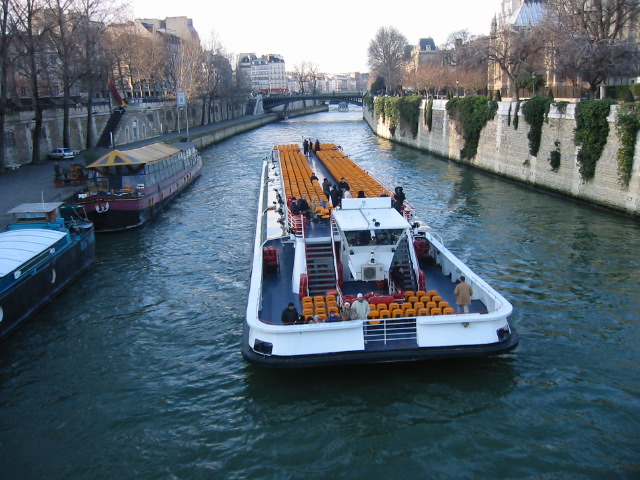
(128, 187)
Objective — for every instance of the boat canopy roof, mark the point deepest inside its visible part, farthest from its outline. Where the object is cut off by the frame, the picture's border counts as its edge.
(153, 153)
(366, 218)
(18, 247)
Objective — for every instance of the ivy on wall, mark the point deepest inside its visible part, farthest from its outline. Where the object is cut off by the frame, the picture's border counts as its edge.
(592, 130)
(368, 101)
(536, 111)
(555, 156)
(396, 109)
(516, 117)
(471, 115)
(627, 126)
(428, 114)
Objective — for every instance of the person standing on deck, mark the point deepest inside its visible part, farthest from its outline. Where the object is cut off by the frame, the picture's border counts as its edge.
(336, 197)
(343, 184)
(463, 293)
(346, 193)
(361, 308)
(305, 146)
(317, 149)
(347, 312)
(289, 315)
(326, 187)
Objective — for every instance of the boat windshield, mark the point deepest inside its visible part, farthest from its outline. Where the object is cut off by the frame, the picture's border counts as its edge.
(373, 237)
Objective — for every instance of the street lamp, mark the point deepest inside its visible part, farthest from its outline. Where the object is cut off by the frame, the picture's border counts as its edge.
(457, 91)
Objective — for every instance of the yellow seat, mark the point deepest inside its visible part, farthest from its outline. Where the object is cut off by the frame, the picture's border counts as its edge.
(410, 312)
(407, 294)
(448, 311)
(420, 293)
(397, 313)
(322, 316)
(406, 305)
(385, 314)
(418, 305)
(318, 298)
(425, 298)
(443, 304)
(436, 311)
(437, 299)
(431, 293)
(412, 299)
(422, 312)
(393, 306)
(382, 306)
(374, 314)
(307, 312)
(331, 297)
(431, 305)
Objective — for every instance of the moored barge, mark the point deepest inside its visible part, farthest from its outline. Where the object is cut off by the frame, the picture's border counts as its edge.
(128, 187)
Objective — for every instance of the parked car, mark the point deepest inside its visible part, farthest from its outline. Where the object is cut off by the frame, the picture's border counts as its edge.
(61, 154)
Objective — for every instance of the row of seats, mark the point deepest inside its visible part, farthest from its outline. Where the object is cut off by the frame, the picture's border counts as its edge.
(296, 176)
(339, 165)
(320, 305)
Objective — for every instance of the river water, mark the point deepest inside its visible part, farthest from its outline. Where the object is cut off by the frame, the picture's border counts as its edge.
(136, 371)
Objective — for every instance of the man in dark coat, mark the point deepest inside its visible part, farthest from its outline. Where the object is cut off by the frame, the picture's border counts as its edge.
(336, 196)
(289, 315)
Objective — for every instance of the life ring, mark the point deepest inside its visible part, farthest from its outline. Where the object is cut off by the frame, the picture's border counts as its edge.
(102, 208)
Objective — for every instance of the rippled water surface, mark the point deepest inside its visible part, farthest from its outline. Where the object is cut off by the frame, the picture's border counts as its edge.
(136, 371)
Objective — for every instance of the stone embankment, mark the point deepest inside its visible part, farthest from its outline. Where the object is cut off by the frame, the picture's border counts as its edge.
(504, 150)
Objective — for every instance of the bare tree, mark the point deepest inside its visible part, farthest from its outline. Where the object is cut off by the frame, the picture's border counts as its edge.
(31, 32)
(216, 75)
(387, 55)
(590, 38)
(5, 45)
(511, 49)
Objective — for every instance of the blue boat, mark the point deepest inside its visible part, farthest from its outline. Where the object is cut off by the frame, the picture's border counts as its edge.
(47, 247)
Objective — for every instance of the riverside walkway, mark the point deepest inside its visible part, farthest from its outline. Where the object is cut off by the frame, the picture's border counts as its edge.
(34, 183)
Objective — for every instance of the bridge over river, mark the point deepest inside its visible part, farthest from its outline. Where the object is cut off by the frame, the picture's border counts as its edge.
(272, 101)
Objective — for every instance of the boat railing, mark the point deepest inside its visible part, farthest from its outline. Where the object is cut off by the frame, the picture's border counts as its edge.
(390, 331)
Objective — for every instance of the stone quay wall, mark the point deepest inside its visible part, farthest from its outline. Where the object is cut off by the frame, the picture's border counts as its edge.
(504, 151)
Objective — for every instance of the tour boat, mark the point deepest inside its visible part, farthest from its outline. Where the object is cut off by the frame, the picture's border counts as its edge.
(128, 187)
(41, 254)
(320, 261)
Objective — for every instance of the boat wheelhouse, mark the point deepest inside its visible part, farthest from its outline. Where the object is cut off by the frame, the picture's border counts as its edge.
(321, 261)
(128, 187)
(41, 254)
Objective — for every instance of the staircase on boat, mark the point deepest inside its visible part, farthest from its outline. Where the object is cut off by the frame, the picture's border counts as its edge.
(403, 256)
(320, 270)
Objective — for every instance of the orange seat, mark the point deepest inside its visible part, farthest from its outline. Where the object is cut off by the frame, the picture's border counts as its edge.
(385, 314)
(431, 305)
(393, 306)
(436, 311)
(420, 293)
(412, 299)
(382, 306)
(448, 311)
(410, 312)
(431, 293)
(418, 305)
(406, 305)
(443, 304)
(422, 312)
(397, 313)
(407, 294)
(374, 314)
(437, 299)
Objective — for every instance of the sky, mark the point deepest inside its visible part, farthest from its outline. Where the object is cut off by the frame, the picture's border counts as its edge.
(333, 34)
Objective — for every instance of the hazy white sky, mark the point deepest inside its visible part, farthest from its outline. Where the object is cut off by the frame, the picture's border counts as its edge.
(334, 34)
